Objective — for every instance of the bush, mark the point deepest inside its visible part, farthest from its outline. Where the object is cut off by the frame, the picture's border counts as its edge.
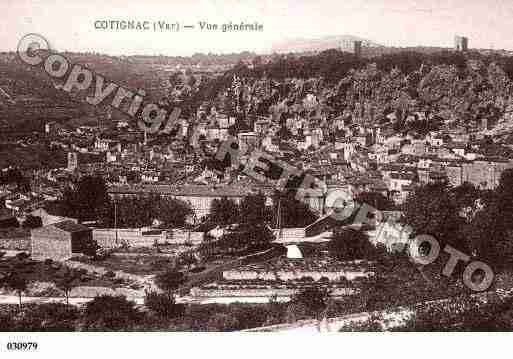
(198, 269)
(163, 305)
(32, 222)
(107, 312)
(110, 274)
(22, 256)
(313, 299)
(49, 317)
(170, 280)
(222, 322)
(7, 323)
(82, 271)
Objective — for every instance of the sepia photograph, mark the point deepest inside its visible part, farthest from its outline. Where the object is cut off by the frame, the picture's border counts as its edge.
(171, 168)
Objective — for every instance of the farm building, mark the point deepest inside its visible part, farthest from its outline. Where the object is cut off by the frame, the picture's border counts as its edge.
(61, 241)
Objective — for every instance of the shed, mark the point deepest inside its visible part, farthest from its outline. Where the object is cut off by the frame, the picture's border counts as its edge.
(61, 241)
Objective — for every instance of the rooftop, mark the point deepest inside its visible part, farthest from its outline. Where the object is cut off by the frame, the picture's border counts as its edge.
(70, 226)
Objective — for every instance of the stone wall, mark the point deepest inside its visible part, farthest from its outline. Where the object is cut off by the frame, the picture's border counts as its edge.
(106, 238)
(180, 236)
(294, 275)
(263, 292)
(135, 237)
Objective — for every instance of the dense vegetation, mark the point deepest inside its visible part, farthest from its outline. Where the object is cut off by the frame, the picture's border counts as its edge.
(88, 201)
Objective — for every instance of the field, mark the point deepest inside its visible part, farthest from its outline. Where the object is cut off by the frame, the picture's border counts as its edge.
(41, 275)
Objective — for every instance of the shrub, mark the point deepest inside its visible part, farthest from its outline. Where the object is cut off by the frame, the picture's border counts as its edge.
(107, 312)
(49, 317)
(314, 299)
(32, 222)
(162, 304)
(198, 269)
(22, 256)
(110, 274)
(82, 271)
(7, 323)
(222, 322)
(170, 280)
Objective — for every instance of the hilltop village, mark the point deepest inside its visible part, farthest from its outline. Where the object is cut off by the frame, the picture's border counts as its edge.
(94, 208)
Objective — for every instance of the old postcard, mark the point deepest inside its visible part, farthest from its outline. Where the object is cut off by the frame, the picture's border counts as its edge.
(298, 167)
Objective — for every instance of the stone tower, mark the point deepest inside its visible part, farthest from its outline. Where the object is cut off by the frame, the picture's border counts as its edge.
(357, 48)
(72, 161)
(460, 43)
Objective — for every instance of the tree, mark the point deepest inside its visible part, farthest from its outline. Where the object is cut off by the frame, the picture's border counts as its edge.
(66, 282)
(32, 222)
(107, 312)
(188, 261)
(296, 311)
(89, 201)
(17, 281)
(490, 234)
(222, 322)
(468, 200)
(293, 213)
(224, 211)
(504, 199)
(247, 237)
(350, 244)
(314, 299)
(162, 304)
(276, 311)
(253, 209)
(170, 280)
(49, 317)
(171, 212)
(376, 200)
(432, 209)
(139, 212)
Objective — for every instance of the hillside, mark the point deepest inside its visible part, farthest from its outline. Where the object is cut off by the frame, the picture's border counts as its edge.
(407, 91)
(342, 42)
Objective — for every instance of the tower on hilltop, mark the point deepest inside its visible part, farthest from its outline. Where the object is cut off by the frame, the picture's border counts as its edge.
(460, 43)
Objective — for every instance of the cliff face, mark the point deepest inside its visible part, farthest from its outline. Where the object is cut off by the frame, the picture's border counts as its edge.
(462, 94)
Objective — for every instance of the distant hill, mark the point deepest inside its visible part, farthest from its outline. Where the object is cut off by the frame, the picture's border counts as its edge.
(341, 42)
(302, 46)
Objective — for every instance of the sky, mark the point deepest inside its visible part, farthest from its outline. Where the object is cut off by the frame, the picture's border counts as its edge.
(70, 24)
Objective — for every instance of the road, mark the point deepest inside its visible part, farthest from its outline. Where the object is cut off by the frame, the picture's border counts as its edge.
(13, 299)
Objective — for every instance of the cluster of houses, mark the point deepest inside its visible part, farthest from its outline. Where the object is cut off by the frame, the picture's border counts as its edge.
(347, 150)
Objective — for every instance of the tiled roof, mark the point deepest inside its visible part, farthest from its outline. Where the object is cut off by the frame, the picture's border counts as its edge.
(70, 226)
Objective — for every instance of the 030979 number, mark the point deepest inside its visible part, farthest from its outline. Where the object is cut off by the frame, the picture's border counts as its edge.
(22, 346)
